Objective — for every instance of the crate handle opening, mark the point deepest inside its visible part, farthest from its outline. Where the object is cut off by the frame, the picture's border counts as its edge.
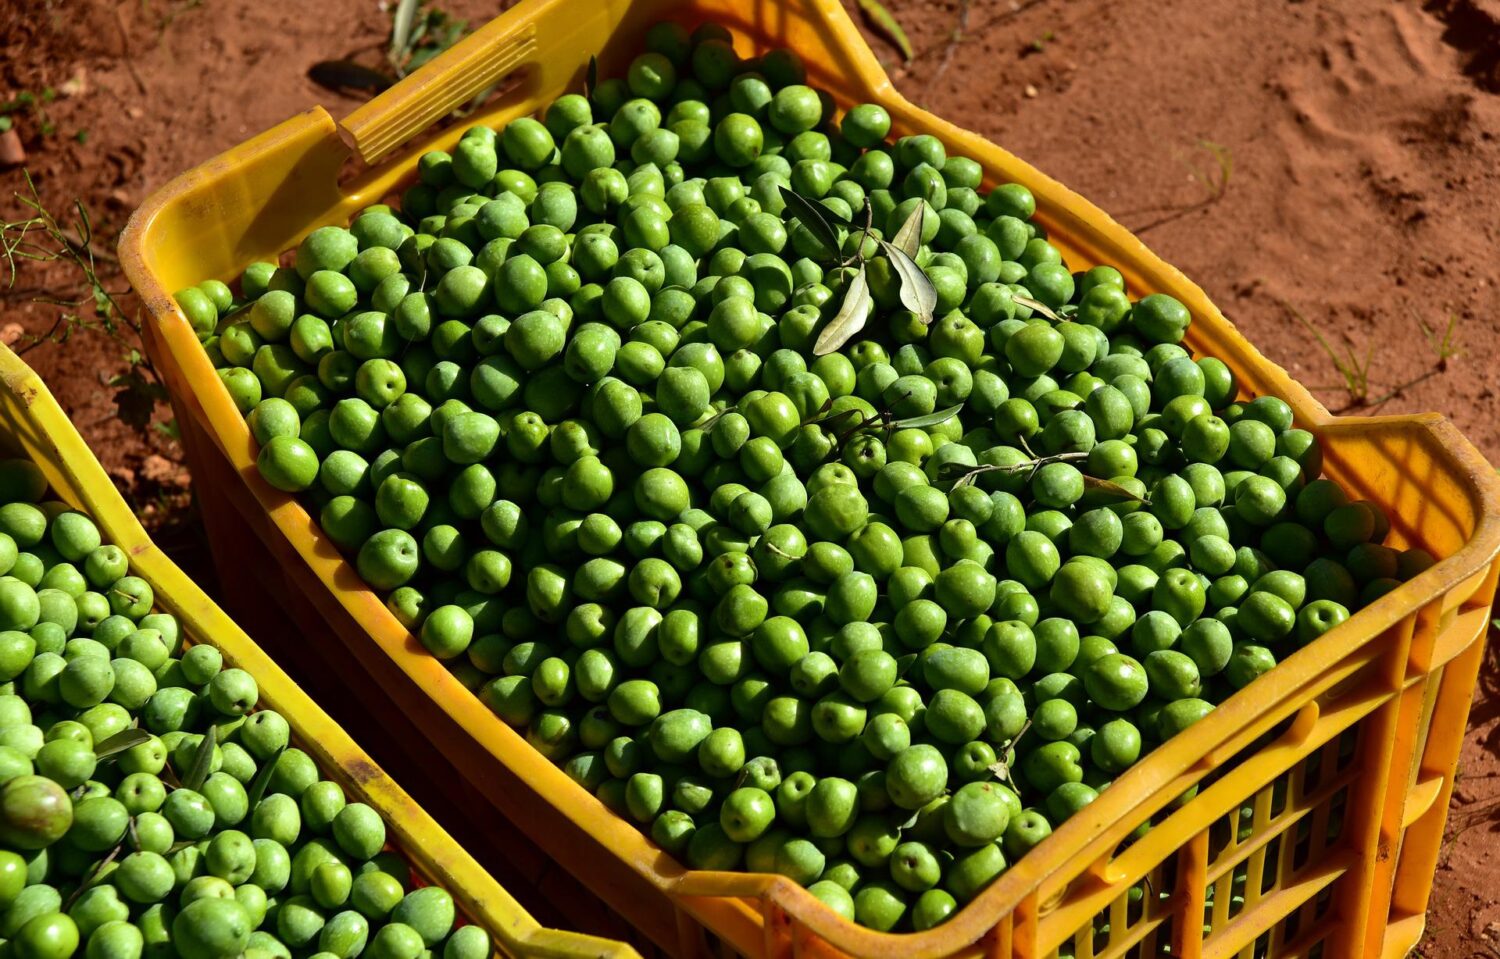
(450, 81)
(528, 35)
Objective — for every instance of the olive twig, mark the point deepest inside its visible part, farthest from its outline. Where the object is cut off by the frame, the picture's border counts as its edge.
(93, 874)
(881, 416)
(1034, 464)
(858, 256)
(1000, 767)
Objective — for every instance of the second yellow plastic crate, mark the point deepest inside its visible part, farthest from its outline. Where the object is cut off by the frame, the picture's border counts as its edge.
(1325, 784)
(34, 427)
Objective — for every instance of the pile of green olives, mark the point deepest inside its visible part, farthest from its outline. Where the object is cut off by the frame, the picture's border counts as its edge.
(147, 807)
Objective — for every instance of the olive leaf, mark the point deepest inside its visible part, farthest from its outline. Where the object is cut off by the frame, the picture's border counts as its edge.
(119, 742)
(905, 663)
(911, 820)
(401, 24)
(203, 760)
(887, 24)
(851, 317)
(819, 220)
(236, 315)
(917, 292)
(1112, 489)
(909, 237)
(928, 421)
(262, 779)
(591, 77)
(1035, 305)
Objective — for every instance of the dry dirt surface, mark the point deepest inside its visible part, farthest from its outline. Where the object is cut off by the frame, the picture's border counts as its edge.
(1327, 166)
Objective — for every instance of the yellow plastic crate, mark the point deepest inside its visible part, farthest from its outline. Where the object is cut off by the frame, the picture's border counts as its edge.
(1326, 783)
(33, 426)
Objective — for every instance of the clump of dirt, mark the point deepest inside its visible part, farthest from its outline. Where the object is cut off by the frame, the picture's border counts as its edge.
(1333, 160)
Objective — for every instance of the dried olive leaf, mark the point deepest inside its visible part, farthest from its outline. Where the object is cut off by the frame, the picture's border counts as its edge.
(851, 317)
(401, 24)
(909, 237)
(1035, 305)
(917, 292)
(883, 21)
(237, 315)
(1112, 489)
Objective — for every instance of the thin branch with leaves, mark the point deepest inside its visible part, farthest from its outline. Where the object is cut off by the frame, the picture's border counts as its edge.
(918, 294)
(1212, 175)
(1353, 369)
(43, 237)
(964, 475)
(418, 34)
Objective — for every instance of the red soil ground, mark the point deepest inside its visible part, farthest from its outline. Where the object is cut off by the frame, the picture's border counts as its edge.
(1334, 159)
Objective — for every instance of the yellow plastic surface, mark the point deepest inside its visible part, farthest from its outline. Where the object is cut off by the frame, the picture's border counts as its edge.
(1319, 829)
(33, 426)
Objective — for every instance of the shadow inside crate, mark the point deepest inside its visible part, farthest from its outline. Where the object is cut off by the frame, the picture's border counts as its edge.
(295, 636)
